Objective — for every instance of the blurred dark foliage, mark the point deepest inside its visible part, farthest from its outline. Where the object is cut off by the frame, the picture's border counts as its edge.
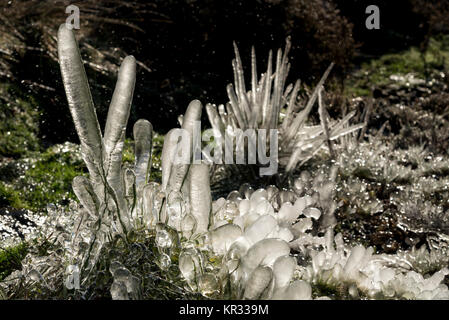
(403, 23)
(435, 20)
(184, 47)
(320, 35)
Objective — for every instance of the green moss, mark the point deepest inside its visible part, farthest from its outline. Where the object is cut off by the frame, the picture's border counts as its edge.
(10, 197)
(42, 178)
(10, 259)
(377, 72)
(45, 178)
(320, 289)
(51, 179)
(19, 122)
(128, 152)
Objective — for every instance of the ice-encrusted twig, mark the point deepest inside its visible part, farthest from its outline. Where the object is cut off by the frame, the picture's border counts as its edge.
(323, 119)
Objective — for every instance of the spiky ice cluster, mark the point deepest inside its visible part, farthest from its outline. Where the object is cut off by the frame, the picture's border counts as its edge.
(270, 104)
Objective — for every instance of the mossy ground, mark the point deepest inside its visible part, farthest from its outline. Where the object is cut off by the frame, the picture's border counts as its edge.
(19, 122)
(11, 258)
(41, 178)
(377, 71)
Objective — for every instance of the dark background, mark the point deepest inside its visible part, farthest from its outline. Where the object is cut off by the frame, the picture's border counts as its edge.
(187, 45)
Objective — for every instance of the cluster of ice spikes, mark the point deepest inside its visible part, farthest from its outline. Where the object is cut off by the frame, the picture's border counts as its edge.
(271, 105)
(120, 199)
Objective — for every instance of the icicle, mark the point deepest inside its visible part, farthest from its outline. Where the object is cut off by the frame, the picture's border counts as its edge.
(254, 85)
(129, 177)
(143, 139)
(267, 92)
(167, 157)
(235, 106)
(273, 113)
(148, 193)
(214, 118)
(257, 283)
(81, 104)
(115, 129)
(301, 117)
(291, 105)
(285, 64)
(191, 118)
(264, 252)
(200, 195)
(323, 120)
(241, 92)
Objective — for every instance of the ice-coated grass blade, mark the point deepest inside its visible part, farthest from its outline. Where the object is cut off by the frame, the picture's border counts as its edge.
(235, 106)
(323, 120)
(267, 91)
(191, 118)
(168, 153)
(291, 105)
(80, 102)
(143, 142)
(302, 116)
(117, 119)
(269, 99)
(200, 195)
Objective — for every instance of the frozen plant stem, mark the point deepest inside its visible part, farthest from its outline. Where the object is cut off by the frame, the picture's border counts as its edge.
(103, 156)
(122, 198)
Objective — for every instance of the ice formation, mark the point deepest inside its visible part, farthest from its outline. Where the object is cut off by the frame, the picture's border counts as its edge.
(270, 104)
(267, 243)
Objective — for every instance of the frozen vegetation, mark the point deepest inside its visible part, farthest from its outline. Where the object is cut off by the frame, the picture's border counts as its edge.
(130, 237)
